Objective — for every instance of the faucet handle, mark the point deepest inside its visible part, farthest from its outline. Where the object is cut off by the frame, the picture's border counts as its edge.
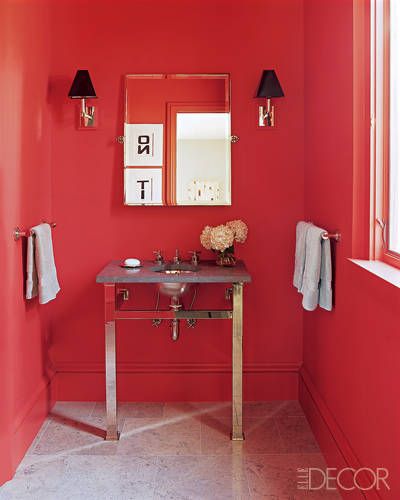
(195, 256)
(177, 257)
(159, 258)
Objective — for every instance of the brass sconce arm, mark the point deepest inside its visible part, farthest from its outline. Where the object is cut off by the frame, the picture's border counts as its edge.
(87, 111)
(266, 115)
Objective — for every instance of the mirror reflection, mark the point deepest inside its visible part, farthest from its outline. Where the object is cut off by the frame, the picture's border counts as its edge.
(203, 150)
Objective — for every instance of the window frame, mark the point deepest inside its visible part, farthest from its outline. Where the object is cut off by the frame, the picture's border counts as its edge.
(380, 131)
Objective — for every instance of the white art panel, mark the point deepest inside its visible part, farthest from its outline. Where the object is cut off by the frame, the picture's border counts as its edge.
(144, 144)
(143, 186)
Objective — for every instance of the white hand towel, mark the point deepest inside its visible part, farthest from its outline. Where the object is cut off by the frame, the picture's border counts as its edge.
(41, 268)
(31, 272)
(316, 285)
(325, 286)
(300, 255)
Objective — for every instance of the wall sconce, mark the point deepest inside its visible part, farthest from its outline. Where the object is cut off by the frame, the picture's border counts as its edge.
(269, 87)
(82, 88)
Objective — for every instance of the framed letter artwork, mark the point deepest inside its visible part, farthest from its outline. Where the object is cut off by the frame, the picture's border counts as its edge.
(144, 144)
(143, 186)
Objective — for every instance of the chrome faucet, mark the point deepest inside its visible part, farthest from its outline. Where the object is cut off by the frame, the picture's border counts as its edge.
(159, 258)
(195, 257)
(177, 258)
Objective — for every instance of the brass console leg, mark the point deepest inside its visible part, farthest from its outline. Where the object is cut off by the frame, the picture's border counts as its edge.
(111, 383)
(237, 363)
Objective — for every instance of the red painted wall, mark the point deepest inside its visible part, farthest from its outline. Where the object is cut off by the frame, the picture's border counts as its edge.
(24, 200)
(350, 355)
(93, 226)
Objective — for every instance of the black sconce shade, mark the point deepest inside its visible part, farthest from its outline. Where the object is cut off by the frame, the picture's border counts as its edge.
(269, 85)
(82, 86)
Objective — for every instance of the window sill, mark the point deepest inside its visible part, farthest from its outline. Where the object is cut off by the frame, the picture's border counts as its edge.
(381, 269)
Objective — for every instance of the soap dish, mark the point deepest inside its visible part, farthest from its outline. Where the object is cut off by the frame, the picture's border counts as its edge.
(122, 264)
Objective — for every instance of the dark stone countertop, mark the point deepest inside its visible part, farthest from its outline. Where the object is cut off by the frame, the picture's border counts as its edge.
(208, 272)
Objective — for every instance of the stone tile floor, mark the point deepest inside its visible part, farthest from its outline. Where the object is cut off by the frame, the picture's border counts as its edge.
(171, 451)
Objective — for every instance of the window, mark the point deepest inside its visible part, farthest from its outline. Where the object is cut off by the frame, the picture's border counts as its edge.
(385, 132)
(394, 128)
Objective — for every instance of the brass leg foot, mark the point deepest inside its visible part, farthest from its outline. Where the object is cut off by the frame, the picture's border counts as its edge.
(239, 437)
(112, 435)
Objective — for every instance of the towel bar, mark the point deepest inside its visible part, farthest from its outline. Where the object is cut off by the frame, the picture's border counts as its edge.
(19, 233)
(331, 236)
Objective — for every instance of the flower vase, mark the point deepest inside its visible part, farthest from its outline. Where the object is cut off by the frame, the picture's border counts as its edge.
(226, 257)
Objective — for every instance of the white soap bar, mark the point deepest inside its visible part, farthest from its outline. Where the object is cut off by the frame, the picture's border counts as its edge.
(132, 262)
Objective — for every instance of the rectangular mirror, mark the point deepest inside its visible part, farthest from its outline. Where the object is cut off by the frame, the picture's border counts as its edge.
(177, 140)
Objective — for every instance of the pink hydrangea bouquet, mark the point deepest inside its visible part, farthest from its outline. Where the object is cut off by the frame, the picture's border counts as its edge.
(220, 239)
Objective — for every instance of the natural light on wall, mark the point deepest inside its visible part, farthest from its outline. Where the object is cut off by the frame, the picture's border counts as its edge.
(394, 152)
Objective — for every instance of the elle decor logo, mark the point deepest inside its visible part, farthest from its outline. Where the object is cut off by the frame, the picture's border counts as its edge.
(346, 479)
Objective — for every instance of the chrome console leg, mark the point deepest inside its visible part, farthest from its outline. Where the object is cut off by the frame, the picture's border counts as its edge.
(237, 363)
(111, 383)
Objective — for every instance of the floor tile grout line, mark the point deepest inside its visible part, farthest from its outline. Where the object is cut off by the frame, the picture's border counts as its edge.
(94, 407)
(201, 436)
(247, 477)
(38, 437)
(282, 446)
